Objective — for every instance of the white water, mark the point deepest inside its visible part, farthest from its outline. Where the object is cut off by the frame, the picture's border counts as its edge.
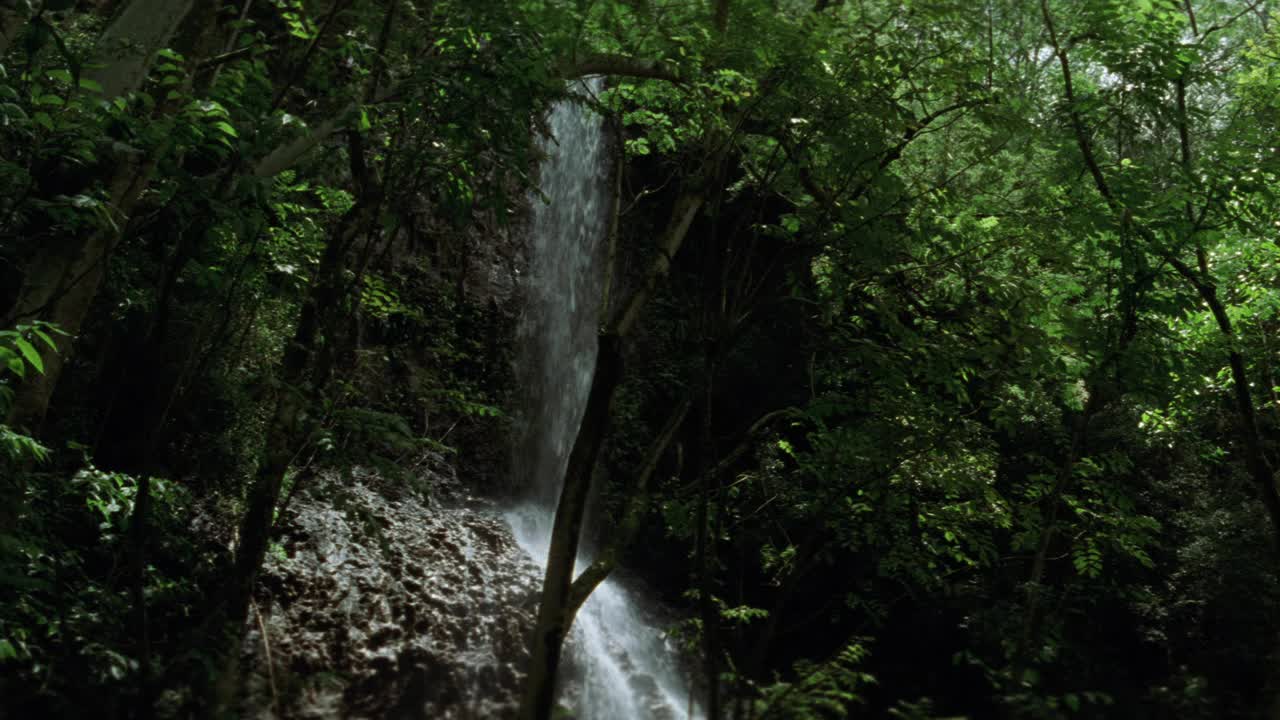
(629, 669)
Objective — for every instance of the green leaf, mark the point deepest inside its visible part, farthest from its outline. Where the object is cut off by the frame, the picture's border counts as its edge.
(7, 650)
(31, 354)
(45, 337)
(226, 128)
(9, 110)
(17, 367)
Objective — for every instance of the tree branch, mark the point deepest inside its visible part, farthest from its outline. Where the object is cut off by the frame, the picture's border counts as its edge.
(1073, 113)
(626, 530)
(1216, 27)
(620, 65)
(682, 215)
(284, 156)
(232, 56)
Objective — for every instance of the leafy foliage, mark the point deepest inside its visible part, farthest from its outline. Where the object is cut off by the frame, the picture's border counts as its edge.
(977, 309)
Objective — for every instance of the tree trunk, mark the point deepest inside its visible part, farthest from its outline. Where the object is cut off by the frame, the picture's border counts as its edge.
(127, 46)
(1255, 457)
(285, 430)
(1048, 530)
(720, 16)
(808, 556)
(704, 552)
(554, 608)
(553, 620)
(139, 525)
(12, 20)
(682, 215)
(59, 288)
(61, 284)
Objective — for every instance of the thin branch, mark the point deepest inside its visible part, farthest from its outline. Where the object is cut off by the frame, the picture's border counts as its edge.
(622, 65)
(638, 503)
(296, 71)
(1216, 27)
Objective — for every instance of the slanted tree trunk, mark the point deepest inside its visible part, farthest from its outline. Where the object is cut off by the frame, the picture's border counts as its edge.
(59, 288)
(553, 611)
(1259, 468)
(12, 20)
(129, 44)
(285, 430)
(554, 614)
(1102, 392)
(61, 283)
(1051, 507)
(704, 555)
(625, 532)
(558, 604)
(808, 557)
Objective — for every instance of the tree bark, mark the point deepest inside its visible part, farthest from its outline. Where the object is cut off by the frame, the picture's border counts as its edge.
(1052, 507)
(553, 616)
(59, 288)
(12, 20)
(285, 429)
(139, 529)
(720, 16)
(682, 215)
(615, 64)
(129, 43)
(1259, 468)
(808, 555)
(60, 285)
(625, 532)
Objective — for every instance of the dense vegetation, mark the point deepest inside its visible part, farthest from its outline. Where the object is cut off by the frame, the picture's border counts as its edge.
(938, 377)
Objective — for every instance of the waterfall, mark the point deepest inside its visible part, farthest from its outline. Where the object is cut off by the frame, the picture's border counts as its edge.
(628, 668)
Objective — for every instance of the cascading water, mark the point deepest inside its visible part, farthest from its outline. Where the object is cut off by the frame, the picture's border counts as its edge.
(629, 669)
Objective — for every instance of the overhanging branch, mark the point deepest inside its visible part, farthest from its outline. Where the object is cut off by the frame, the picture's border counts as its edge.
(619, 65)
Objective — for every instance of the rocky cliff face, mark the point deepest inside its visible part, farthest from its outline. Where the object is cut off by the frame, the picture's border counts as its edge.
(379, 605)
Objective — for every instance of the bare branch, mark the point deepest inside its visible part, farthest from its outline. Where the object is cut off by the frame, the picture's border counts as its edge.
(682, 215)
(1216, 27)
(621, 65)
(637, 504)
(284, 156)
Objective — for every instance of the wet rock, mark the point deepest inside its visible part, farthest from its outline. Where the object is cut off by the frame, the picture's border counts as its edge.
(386, 607)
